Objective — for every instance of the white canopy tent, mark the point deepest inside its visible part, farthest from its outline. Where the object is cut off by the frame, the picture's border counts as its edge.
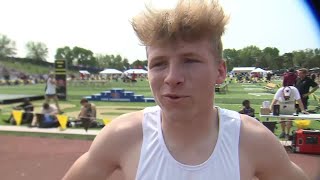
(258, 70)
(136, 71)
(110, 71)
(84, 72)
(243, 69)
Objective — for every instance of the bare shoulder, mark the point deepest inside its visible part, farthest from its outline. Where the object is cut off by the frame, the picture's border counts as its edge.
(255, 139)
(124, 131)
(253, 130)
(104, 157)
(267, 156)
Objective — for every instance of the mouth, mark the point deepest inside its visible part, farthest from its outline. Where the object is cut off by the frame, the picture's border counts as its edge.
(174, 96)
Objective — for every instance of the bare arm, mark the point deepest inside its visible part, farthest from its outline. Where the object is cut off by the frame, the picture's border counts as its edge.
(99, 162)
(312, 91)
(94, 111)
(105, 155)
(54, 111)
(251, 113)
(302, 107)
(52, 81)
(270, 160)
(274, 101)
(282, 170)
(82, 112)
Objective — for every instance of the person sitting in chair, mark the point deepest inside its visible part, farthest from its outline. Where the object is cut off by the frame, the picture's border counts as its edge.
(247, 109)
(27, 116)
(47, 118)
(87, 116)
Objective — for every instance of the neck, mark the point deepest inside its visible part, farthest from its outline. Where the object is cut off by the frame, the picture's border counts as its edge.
(190, 127)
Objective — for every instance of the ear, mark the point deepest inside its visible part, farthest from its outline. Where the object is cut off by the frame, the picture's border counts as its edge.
(222, 71)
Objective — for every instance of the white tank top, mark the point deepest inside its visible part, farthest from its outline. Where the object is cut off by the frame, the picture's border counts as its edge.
(51, 88)
(157, 163)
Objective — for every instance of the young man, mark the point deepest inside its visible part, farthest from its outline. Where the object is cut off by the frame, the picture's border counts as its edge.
(50, 91)
(303, 84)
(87, 116)
(185, 137)
(88, 110)
(287, 96)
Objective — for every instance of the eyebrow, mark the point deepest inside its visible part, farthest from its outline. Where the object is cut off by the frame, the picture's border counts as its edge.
(191, 54)
(187, 54)
(158, 58)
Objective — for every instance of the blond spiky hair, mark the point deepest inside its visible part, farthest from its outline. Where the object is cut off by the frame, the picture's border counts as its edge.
(189, 20)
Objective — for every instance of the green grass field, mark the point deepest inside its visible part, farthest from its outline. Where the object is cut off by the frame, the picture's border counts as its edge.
(231, 100)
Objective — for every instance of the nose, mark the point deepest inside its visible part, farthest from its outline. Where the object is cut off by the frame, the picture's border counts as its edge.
(174, 75)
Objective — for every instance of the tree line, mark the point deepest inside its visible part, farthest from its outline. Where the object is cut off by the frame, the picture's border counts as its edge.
(76, 56)
(267, 58)
(270, 59)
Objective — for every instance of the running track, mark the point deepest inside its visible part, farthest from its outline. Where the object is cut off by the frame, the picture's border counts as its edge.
(33, 158)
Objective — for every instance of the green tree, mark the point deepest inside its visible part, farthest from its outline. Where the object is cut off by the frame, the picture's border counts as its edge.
(287, 60)
(103, 61)
(66, 54)
(139, 63)
(117, 63)
(126, 64)
(316, 51)
(270, 58)
(37, 50)
(231, 56)
(112, 61)
(311, 57)
(299, 57)
(249, 55)
(84, 57)
(7, 46)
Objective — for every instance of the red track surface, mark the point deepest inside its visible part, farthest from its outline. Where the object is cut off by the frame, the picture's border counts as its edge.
(32, 158)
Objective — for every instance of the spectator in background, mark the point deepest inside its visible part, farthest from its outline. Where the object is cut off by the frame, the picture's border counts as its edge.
(6, 75)
(288, 95)
(27, 116)
(269, 75)
(313, 76)
(289, 78)
(303, 85)
(87, 116)
(47, 118)
(133, 78)
(50, 91)
(247, 109)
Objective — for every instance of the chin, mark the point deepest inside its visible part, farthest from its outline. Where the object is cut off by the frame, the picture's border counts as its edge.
(175, 106)
(176, 113)
(176, 110)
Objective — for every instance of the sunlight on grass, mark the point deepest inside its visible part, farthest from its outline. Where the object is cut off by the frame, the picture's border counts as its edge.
(231, 100)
